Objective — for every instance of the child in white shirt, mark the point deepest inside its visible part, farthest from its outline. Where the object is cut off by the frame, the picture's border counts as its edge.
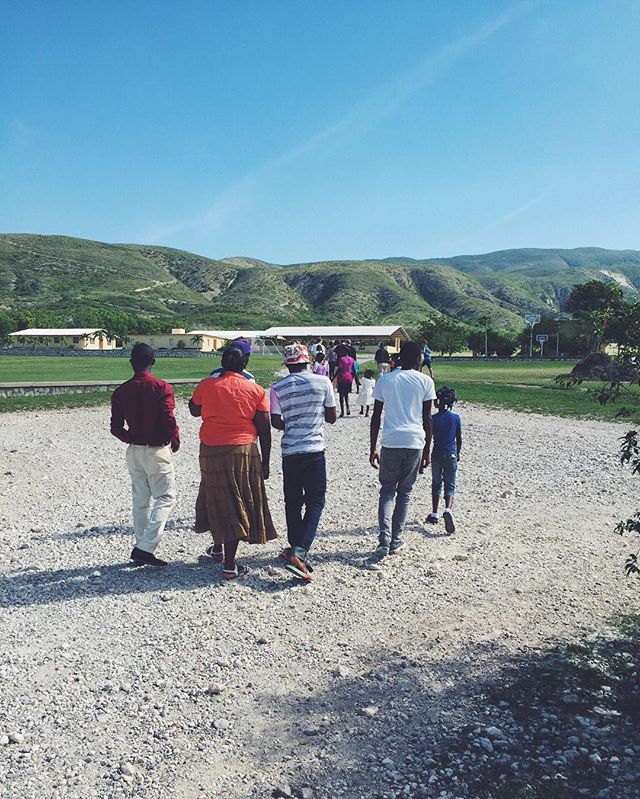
(365, 397)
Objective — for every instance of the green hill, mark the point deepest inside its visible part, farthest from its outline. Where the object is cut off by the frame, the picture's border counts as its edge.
(59, 273)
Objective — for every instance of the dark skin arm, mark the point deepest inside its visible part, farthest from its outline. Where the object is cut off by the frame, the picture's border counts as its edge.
(458, 442)
(261, 421)
(374, 431)
(330, 415)
(195, 410)
(117, 422)
(277, 422)
(428, 434)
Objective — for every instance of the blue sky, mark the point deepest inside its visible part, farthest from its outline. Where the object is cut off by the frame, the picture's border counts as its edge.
(298, 131)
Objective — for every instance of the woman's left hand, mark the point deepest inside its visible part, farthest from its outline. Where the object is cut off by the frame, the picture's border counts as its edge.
(265, 471)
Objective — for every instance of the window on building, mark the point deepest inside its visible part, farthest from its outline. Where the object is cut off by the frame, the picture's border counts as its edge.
(172, 342)
(76, 339)
(56, 339)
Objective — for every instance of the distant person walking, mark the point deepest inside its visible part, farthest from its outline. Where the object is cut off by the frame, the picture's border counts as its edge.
(232, 501)
(344, 382)
(356, 373)
(301, 403)
(351, 350)
(332, 358)
(365, 398)
(382, 358)
(406, 396)
(317, 347)
(447, 445)
(244, 346)
(320, 366)
(146, 406)
(427, 360)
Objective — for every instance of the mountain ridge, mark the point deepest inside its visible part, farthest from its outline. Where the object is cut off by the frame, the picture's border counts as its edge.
(58, 273)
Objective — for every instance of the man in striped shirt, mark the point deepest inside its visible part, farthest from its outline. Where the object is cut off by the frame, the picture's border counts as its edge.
(301, 403)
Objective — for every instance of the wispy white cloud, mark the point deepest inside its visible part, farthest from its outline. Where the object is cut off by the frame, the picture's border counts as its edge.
(516, 212)
(377, 105)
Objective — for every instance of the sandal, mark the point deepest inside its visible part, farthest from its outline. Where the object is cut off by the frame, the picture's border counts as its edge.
(285, 555)
(215, 553)
(299, 568)
(233, 574)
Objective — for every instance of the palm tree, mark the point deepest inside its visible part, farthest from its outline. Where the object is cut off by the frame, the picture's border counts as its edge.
(197, 341)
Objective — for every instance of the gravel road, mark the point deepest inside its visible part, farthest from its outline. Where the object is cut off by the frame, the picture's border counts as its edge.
(122, 681)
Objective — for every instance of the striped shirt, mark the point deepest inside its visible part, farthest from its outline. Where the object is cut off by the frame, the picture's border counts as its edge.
(219, 371)
(300, 398)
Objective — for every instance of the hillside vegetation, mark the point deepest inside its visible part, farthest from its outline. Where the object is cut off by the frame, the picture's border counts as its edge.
(59, 273)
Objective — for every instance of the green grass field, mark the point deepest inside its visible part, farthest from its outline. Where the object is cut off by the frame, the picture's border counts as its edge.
(518, 385)
(27, 368)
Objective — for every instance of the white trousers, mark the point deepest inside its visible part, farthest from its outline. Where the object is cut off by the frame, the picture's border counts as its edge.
(152, 477)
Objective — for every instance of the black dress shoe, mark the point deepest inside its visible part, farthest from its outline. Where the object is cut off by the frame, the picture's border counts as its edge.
(146, 558)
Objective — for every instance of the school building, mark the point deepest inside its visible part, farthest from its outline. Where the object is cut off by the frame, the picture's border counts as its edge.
(76, 338)
(359, 334)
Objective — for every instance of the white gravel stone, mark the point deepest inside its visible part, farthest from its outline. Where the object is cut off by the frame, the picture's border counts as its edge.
(422, 621)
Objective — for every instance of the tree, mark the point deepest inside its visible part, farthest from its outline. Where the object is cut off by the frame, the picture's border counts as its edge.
(600, 306)
(595, 295)
(197, 340)
(502, 343)
(624, 386)
(445, 335)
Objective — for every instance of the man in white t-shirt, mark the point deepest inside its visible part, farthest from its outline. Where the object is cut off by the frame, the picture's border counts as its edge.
(316, 347)
(301, 403)
(406, 396)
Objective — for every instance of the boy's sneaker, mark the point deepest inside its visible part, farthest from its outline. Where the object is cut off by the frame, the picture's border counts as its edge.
(379, 555)
(432, 518)
(449, 521)
(396, 547)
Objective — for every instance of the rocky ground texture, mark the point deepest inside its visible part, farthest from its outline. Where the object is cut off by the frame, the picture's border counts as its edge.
(485, 664)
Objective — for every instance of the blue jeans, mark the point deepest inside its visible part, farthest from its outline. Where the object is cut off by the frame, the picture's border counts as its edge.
(443, 470)
(305, 485)
(398, 473)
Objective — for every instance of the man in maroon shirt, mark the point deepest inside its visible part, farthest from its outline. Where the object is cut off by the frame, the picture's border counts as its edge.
(146, 405)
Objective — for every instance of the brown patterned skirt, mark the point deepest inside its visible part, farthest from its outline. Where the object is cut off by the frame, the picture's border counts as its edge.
(232, 501)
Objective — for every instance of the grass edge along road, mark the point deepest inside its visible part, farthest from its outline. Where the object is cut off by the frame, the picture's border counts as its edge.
(523, 386)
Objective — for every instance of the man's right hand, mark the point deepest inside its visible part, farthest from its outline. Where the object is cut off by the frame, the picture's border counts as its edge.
(424, 462)
(175, 445)
(374, 459)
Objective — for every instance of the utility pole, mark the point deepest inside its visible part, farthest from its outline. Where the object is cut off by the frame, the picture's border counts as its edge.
(532, 319)
(484, 321)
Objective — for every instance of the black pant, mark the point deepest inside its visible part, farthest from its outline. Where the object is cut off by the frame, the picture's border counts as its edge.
(305, 484)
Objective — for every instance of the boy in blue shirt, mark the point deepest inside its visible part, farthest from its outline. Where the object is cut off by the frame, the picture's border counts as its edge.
(426, 359)
(445, 456)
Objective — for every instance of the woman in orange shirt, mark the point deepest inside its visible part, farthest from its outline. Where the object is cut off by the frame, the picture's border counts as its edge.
(232, 501)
